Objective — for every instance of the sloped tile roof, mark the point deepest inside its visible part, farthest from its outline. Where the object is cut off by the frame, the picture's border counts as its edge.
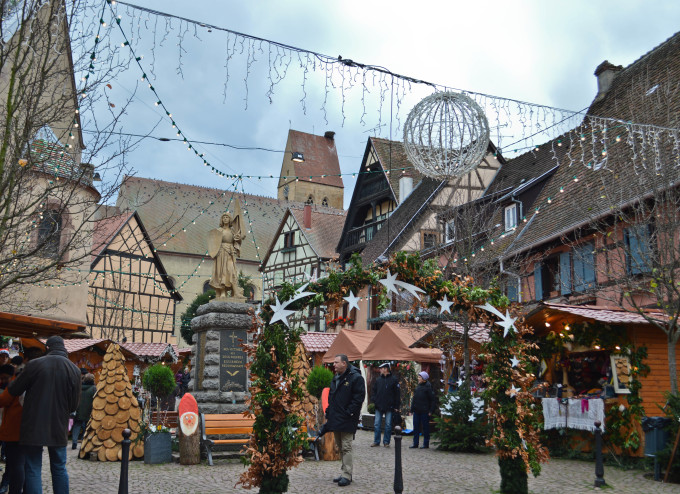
(320, 155)
(598, 192)
(607, 315)
(166, 207)
(104, 230)
(53, 159)
(151, 350)
(407, 213)
(75, 345)
(392, 156)
(325, 231)
(318, 342)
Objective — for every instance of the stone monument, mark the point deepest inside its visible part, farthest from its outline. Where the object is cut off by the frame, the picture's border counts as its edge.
(219, 375)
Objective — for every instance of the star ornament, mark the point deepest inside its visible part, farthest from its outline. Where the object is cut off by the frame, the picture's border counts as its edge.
(513, 391)
(390, 282)
(514, 361)
(299, 293)
(353, 301)
(445, 305)
(472, 417)
(280, 313)
(506, 323)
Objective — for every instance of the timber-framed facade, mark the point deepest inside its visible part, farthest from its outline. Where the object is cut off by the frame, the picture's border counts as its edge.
(131, 295)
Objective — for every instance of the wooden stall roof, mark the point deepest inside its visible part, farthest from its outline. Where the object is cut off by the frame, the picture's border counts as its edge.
(451, 335)
(351, 342)
(394, 341)
(555, 314)
(318, 342)
(20, 325)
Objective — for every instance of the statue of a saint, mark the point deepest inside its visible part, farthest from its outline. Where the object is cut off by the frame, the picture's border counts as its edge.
(224, 246)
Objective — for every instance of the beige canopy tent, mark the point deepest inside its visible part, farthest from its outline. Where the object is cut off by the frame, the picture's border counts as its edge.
(351, 342)
(394, 340)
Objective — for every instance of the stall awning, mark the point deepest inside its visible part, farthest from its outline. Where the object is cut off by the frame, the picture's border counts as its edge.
(351, 342)
(554, 314)
(394, 341)
(19, 325)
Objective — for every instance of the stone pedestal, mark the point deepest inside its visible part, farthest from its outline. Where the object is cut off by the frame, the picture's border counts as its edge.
(219, 379)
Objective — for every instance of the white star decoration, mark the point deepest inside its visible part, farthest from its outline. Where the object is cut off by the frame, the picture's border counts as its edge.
(280, 312)
(445, 305)
(514, 361)
(389, 282)
(506, 321)
(513, 390)
(352, 300)
(300, 294)
(472, 417)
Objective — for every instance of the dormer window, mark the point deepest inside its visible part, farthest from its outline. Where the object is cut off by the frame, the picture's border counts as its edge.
(510, 217)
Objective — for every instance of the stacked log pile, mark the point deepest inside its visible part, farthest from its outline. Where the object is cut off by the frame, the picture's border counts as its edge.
(114, 409)
(302, 368)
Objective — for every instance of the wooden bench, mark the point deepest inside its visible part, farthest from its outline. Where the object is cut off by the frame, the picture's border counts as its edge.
(167, 418)
(226, 424)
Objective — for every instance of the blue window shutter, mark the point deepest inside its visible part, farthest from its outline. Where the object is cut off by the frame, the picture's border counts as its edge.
(565, 273)
(637, 242)
(511, 290)
(584, 267)
(538, 281)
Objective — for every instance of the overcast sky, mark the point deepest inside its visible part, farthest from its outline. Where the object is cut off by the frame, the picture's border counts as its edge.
(536, 51)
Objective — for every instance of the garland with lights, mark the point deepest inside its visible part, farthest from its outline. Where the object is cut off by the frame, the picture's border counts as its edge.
(276, 440)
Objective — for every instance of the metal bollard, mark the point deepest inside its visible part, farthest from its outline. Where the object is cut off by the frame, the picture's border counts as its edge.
(599, 467)
(124, 462)
(398, 480)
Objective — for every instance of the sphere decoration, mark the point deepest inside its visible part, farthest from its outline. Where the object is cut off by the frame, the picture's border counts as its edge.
(446, 135)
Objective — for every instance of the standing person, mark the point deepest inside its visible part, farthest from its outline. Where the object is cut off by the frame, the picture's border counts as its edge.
(52, 387)
(4, 356)
(186, 377)
(386, 398)
(344, 410)
(87, 391)
(13, 478)
(422, 406)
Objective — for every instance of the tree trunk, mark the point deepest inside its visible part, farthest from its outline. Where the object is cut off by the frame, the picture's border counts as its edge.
(672, 367)
(189, 447)
(466, 351)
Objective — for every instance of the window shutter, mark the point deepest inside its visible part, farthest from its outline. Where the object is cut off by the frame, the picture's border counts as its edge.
(538, 281)
(565, 273)
(512, 290)
(637, 241)
(584, 267)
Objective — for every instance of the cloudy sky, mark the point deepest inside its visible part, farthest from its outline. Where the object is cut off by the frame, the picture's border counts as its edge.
(535, 51)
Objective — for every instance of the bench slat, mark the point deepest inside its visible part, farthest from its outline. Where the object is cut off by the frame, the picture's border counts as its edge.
(231, 441)
(211, 431)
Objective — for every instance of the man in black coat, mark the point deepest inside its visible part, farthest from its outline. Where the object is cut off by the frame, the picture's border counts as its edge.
(385, 396)
(52, 386)
(346, 396)
(423, 404)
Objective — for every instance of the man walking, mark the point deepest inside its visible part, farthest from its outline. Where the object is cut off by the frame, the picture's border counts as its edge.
(386, 398)
(344, 410)
(52, 386)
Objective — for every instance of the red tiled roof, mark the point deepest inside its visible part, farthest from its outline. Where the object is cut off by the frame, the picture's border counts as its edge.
(607, 315)
(75, 345)
(478, 333)
(152, 350)
(104, 230)
(320, 155)
(181, 351)
(325, 231)
(318, 342)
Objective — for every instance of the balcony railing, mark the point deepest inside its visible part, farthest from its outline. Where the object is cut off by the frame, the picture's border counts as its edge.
(359, 236)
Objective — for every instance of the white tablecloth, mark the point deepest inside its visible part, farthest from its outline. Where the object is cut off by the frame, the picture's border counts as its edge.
(577, 413)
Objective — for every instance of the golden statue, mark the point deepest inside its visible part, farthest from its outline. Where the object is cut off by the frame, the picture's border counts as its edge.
(224, 246)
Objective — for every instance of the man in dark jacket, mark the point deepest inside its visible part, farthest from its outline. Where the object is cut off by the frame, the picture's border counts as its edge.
(52, 387)
(385, 396)
(423, 404)
(344, 411)
(87, 391)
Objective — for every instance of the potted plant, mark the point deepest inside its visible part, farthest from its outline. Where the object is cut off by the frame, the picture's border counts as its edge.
(160, 382)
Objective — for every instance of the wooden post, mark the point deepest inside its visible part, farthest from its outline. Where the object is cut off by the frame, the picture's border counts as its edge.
(599, 467)
(670, 461)
(125, 460)
(328, 449)
(398, 479)
(188, 432)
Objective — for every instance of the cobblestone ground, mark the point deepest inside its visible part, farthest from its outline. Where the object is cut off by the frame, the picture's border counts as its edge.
(425, 472)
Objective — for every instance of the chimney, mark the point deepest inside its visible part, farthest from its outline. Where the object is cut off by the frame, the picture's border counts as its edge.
(405, 186)
(605, 73)
(329, 134)
(307, 216)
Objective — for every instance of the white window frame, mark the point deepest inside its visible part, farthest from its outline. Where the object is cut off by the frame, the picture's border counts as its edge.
(450, 228)
(511, 215)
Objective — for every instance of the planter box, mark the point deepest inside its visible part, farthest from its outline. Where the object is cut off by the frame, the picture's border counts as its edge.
(157, 448)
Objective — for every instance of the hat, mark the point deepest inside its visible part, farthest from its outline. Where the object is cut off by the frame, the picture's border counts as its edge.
(5, 351)
(386, 364)
(424, 375)
(83, 371)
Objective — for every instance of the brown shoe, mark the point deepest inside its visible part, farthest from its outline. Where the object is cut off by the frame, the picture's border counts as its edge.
(374, 445)
(387, 445)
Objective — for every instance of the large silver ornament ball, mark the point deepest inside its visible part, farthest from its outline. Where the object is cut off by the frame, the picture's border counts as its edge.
(446, 135)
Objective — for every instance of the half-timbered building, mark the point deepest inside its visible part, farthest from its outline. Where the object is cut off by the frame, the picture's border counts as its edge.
(131, 295)
(303, 249)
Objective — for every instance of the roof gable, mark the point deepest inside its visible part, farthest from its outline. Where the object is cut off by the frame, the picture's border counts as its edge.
(320, 156)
